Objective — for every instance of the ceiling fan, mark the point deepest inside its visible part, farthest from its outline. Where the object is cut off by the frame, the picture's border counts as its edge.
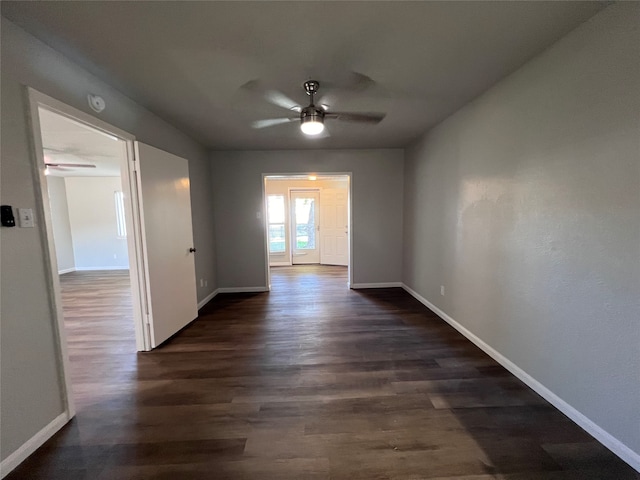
(50, 167)
(49, 163)
(68, 165)
(312, 117)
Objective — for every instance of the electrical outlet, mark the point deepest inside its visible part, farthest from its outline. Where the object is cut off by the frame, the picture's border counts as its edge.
(442, 290)
(202, 282)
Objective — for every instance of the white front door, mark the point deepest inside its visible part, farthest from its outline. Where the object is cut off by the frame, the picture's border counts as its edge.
(334, 227)
(165, 211)
(305, 246)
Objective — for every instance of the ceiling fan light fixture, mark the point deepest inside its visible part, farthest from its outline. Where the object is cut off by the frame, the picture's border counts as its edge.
(312, 126)
(311, 120)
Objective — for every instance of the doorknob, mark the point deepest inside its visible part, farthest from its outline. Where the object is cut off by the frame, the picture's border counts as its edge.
(192, 250)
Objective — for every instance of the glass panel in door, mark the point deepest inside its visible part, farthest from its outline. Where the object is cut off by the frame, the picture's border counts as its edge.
(304, 213)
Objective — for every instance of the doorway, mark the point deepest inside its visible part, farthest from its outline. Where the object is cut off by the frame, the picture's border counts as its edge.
(84, 186)
(90, 223)
(78, 159)
(152, 185)
(88, 196)
(308, 221)
(91, 232)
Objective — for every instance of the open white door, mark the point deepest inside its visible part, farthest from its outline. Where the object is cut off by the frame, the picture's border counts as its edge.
(165, 211)
(334, 227)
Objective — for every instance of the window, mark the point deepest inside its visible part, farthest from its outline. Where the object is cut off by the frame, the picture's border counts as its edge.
(121, 225)
(275, 216)
(305, 223)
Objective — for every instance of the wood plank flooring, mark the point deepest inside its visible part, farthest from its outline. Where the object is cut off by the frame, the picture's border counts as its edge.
(309, 381)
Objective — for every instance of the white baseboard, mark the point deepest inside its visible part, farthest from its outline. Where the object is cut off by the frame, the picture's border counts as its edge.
(243, 289)
(93, 269)
(279, 264)
(356, 286)
(604, 437)
(208, 298)
(66, 270)
(31, 445)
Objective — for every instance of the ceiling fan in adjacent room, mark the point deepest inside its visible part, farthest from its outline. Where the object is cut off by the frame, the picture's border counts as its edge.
(312, 117)
(62, 166)
(68, 166)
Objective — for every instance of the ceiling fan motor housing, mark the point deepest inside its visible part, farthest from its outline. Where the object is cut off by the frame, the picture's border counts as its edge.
(312, 114)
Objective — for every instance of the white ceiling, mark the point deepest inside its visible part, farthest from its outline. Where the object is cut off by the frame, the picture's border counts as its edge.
(69, 142)
(186, 61)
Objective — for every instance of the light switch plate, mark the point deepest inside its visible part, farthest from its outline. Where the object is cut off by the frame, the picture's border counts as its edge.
(26, 217)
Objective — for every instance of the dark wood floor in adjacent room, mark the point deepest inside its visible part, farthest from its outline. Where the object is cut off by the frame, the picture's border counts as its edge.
(310, 381)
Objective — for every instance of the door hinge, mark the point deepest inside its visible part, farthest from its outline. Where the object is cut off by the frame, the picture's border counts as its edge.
(147, 319)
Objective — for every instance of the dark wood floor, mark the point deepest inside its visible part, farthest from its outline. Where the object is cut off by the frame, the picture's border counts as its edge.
(310, 381)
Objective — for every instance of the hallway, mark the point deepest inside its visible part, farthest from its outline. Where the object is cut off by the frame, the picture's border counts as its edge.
(311, 381)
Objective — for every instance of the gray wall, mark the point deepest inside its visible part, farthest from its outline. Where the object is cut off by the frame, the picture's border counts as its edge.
(525, 206)
(376, 209)
(30, 388)
(60, 223)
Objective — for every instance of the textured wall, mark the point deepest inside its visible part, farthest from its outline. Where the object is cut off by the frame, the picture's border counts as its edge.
(525, 205)
(376, 209)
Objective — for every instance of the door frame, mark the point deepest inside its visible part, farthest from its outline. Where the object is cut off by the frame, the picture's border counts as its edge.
(265, 223)
(135, 246)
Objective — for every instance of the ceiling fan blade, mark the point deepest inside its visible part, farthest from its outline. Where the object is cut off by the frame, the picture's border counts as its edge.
(270, 122)
(356, 117)
(274, 97)
(281, 100)
(70, 165)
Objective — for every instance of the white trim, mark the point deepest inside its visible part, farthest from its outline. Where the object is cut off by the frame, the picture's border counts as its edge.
(600, 434)
(243, 289)
(280, 264)
(265, 232)
(35, 100)
(31, 445)
(94, 269)
(141, 246)
(350, 229)
(66, 270)
(356, 286)
(208, 298)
